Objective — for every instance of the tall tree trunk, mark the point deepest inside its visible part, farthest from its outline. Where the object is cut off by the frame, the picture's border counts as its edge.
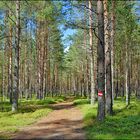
(129, 73)
(9, 40)
(92, 53)
(39, 63)
(108, 78)
(16, 60)
(112, 35)
(86, 75)
(3, 76)
(10, 66)
(117, 83)
(48, 74)
(101, 62)
(138, 78)
(126, 74)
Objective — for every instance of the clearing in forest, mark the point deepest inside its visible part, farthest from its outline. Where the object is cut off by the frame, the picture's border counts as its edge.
(65, 122)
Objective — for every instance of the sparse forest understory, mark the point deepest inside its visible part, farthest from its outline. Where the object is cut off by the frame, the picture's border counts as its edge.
(96, 64)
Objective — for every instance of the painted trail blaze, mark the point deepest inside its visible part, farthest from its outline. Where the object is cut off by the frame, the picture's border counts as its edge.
(100, 93)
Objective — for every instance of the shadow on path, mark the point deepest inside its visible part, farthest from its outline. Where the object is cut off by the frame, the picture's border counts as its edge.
(65, 122)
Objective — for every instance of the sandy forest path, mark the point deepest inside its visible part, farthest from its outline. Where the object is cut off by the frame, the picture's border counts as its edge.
(65, 122)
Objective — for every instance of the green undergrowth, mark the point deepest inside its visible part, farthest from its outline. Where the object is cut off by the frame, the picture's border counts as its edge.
(80, 101)
(29, 111)
(124, 124)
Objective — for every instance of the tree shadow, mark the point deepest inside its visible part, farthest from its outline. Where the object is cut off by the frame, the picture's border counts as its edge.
(22, 108)
(61, 106)
(60, 129)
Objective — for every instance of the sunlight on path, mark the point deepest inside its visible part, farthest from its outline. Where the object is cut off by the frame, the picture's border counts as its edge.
(65, 122)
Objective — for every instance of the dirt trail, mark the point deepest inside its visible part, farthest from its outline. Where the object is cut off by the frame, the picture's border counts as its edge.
(65, 122)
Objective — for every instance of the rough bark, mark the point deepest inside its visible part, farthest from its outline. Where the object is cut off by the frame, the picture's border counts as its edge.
(92, 53)
(9, 40)
(101, 62)
(112, 36)
(108, 76)
(16, 59)
(127, 74)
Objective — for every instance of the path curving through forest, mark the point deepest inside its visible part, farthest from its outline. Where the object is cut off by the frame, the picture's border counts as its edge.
(65, 122)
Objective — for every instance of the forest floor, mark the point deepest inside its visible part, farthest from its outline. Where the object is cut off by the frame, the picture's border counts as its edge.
(64, 122)
(123, 124)
(69, 118)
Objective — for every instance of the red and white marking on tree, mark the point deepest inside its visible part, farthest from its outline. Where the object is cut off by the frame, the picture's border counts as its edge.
(100, 93)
